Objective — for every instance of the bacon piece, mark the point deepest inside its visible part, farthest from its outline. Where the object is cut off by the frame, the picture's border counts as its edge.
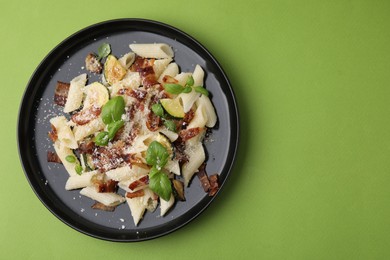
(204, 180)
(138, 94)
(107, 158)
(140, 63)
(135, 194)
(86, 147)
(210, 184)
(169, 79)
(148, 77)
(187, 119)
(53, 157)
(92, 64)
(214, 184)
(101, 206)
(53, 133)
(179, 147)
(189, 116)
(153, 122)
(132, 135)
(61, 93)
(131, 159)
(131, 112)
(143, 181)
(145, 68)
(189, 133)
(85, 116)
(106, 186)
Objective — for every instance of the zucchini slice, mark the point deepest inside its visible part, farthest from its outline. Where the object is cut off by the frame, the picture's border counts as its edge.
(173, 107)
(113, 70)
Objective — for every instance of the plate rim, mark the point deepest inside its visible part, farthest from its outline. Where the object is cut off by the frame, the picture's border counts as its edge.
(31, 86)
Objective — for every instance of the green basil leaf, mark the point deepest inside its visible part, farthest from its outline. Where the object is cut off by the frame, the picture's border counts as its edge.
(161, 185)
(170, 125)
(78, 169)
(153, 171)
(187, 89)
(101, 139)
(173, 88)
(114, 127)
(190, 81)
(157, 155)
(112, 111)
(70, 158)
(201, 90)
(103, 51)
(158, 110)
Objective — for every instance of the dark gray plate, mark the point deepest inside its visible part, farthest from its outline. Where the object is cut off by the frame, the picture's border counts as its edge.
(64, 63)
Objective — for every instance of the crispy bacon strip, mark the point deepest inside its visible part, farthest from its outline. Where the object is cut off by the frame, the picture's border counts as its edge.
(107, 158)
(108, 186)
(141, 63)
(135, 194)
(101, 206)
(179, 147)
(85, 116)
(131, 159)
(148, 77)
(189, 133)
(145, 68)
(53, 133)
(138, 94)
(61, 93)
(132, 135)
(153, 122)
(204, 180)
(53, 157)
(92, 64)
(214, 184)
(169, 79)
(139, 183)
(183, 123)
(86, 147)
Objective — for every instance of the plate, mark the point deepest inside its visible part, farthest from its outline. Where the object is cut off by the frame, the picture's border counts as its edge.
(65, 62)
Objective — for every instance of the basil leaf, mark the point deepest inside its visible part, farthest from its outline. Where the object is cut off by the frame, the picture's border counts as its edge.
(153, 171)
(101, 139)
(170, 125)
(173, 88)
(70, 158)
(161, 185)
(112, 111)
(201, 90)
(158, 109)
(190, 81)
(187, 89)
(103, 51)
(114, 127)
(78, 169)
(157, 155)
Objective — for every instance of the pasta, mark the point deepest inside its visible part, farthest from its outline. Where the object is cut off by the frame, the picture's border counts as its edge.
(64, 133)
(62, 152)
(171, 70)
(140, 129)
(127, 59)
(75, 95)
(153, 50)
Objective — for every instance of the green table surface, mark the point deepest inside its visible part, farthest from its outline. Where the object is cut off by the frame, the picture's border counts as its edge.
(312, 176)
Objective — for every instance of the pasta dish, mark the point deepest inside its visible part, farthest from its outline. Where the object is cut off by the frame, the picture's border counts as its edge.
(135, 137)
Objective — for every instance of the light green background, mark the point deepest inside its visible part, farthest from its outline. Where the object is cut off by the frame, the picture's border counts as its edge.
(312, 178)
